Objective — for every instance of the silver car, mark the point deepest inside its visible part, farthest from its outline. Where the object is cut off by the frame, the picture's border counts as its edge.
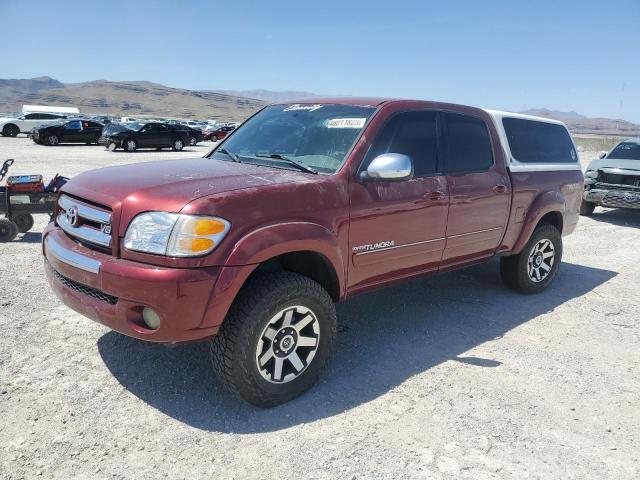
(613, 180)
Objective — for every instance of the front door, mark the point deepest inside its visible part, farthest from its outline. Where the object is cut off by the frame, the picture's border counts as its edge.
(479, 188)
(72, 132)
(397, 229)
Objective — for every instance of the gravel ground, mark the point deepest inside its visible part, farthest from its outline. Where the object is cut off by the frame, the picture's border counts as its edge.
(448, 377)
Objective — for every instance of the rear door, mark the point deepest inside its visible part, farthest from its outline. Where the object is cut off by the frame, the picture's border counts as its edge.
(397, 229)
(479, 189)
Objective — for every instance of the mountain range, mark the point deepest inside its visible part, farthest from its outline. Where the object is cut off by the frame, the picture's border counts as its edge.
(142, 98)
(136, 98)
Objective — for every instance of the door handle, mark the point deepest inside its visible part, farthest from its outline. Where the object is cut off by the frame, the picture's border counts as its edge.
(435, 195)
(499, 189)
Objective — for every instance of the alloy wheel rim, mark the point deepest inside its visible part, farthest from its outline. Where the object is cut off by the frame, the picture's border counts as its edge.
(131, 145)
(540, 261)
(288, 344)
(178, 144)
(53, 140)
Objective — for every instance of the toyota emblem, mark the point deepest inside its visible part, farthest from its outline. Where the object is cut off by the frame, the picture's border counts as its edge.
(72, 216)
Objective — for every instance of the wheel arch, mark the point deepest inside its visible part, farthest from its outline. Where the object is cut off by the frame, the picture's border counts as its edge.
(547, 209)
(309, 250)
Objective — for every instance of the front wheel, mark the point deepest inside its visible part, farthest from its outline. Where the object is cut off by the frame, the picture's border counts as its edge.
(277, 338)
(587, 208)
(178, 145)
(130, 145)
(53, 140)
(533, 269)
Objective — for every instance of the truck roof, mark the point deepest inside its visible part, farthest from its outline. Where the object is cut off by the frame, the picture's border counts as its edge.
(357, 101)
(498, 114)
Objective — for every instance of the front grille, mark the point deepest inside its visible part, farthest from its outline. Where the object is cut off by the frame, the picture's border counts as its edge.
(621, 200)
(80, 288)
(618, 179)
(85, 223)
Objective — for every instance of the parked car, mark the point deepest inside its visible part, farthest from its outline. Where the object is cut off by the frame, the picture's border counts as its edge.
(194, 134)
(221, 132)
(306, 205)
(68, 131)
(132, 136)
(10, 127)
(613, 180)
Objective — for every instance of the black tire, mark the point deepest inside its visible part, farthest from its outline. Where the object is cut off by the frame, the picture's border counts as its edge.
(234, 351)
(52, 140)
(587, 208)
(24, 222)
(177, 144)
(8, 230)
(193, 142)
(158, 149)
(130, 145)
(515, 270)
(10, 130)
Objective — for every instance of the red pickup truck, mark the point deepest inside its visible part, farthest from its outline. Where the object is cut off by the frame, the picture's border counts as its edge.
(307, 204)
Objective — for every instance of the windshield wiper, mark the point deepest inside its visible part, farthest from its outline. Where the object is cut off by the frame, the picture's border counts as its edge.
(231, 155)
(290, 161)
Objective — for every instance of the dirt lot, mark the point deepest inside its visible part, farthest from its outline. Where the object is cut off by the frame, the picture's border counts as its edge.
(448, 377)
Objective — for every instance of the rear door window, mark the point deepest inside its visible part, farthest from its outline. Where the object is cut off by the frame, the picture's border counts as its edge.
(531, 141)
(468, 144)
(413, 134)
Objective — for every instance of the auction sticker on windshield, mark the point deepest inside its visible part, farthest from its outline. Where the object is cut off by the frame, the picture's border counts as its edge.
(346, 123)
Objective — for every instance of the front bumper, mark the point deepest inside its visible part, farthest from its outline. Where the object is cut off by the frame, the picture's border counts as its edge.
(107, 140)
(113, 291)
(613, 196)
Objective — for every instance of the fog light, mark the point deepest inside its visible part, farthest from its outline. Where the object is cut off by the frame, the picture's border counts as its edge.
(151, 318)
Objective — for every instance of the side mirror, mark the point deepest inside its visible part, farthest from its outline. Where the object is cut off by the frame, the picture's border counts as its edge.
(602, 154)
(389, 167)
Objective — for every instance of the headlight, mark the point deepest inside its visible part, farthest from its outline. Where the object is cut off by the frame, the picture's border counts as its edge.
(175, 235)
(591, 174)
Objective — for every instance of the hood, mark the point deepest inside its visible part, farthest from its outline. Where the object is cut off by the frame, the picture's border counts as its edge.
(170, 185)
(616, 164)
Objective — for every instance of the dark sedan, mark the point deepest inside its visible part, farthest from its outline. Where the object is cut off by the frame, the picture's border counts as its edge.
(75, 130)
(132, 136)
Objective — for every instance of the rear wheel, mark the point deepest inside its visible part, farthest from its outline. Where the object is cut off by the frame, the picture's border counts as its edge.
(8, 230)
(130, 145)
(24, 222)
(277, 338)
(10, 130)
(53, 140)
(533, 269)
(587, 208)
(177, 145)
(193, 141)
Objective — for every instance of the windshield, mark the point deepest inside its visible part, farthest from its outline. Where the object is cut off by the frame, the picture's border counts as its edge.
(120, 127)
(319, 136)
(626, 151)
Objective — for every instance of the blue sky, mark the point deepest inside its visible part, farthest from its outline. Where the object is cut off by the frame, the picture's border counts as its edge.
(514, 55)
